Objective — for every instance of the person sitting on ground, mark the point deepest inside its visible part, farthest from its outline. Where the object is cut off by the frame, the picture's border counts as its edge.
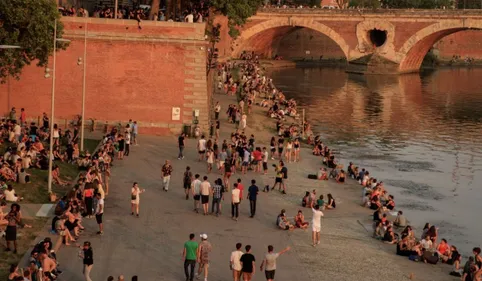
(389, 237)
(429, 257)
(375, 203)
(322, 175)
(305, 202)
(426, 243)
(403, 248)
(454, 259)
(340, 178)
(390, 205)
(284, 224)
(385, 220)
(7, 173)
(331, 202)
(56, 176)
(400, 220)
(377, 215)
(443, 250)
(300, 220)
(11, 195)
(408, 231)
(23, 177)
(320, 202)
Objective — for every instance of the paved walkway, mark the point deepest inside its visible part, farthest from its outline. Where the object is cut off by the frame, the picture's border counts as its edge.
(150, 246)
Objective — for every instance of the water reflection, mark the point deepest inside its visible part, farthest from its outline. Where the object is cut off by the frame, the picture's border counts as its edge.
(419, 133)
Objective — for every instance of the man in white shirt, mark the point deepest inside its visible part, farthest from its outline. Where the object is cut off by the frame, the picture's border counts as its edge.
(426, 243)
(196, 192)
(316, 224)
(235, 264)
(189, 18)
(16, 131)
(201, 147)
(235, 199)
(206, 190)
(99, 212)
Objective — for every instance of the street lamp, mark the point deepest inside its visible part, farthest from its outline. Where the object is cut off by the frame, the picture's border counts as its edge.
(82, 115)
(54, 70)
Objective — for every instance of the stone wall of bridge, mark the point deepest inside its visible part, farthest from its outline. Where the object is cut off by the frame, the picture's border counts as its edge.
(140, 74)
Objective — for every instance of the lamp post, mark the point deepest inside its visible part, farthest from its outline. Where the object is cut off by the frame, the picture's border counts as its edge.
(54, 69)
(82, 122)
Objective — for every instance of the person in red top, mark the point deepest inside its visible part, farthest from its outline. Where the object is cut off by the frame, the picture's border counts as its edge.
(23, 117)
(443, 249)
(257, 159)
(241, 189)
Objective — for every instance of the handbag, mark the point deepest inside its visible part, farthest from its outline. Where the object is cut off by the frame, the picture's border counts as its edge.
(133, 197)
(62, 233)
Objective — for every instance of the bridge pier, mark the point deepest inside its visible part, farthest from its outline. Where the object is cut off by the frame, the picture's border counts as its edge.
(374, 64)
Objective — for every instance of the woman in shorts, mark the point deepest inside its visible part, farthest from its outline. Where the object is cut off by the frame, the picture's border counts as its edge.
(273, 147)
(280, 147)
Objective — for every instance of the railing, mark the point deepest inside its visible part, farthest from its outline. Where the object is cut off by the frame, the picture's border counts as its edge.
(352, 11)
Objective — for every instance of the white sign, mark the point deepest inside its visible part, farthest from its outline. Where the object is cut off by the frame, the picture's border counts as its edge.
(176, 113)
(196, 112)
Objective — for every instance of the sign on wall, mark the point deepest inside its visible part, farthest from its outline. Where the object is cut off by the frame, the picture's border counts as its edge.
(176, 113)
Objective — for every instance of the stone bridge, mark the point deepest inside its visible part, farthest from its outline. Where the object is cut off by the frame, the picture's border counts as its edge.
(373, 41)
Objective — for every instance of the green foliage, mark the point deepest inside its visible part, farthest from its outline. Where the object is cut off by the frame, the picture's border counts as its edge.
(417, 4)
(237, 11)
(373, 4)
(30, 25)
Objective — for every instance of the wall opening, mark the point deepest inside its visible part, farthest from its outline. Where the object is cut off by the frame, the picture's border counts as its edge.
(377, 37)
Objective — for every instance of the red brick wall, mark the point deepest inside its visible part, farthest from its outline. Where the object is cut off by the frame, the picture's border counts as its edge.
(141, 79)
(295, 44)
(462, 43)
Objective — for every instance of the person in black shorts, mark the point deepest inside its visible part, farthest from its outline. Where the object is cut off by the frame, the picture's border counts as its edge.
(187, 180)
(281, 142)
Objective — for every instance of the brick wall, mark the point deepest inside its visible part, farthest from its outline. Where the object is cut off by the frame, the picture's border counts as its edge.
(462, 43)
(131, 74)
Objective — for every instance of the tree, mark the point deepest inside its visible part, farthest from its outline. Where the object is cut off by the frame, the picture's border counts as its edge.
(342, 4)
(237, 11)
(30, 25)
(154, 8)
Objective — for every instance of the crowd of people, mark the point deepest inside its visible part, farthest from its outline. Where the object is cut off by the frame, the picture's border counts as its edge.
(24, 144)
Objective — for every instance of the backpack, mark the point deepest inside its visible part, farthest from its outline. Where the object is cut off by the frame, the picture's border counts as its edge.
(187, 177)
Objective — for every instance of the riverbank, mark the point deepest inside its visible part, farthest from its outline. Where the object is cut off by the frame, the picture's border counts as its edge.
(347, 231)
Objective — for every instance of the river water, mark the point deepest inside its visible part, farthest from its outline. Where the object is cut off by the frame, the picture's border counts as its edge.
(418, 133)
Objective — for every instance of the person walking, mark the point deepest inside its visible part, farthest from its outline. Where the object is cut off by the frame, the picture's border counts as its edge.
(196, 192)
(206, 190)
(87, 256)
(127, 137)
(235, 263)
(217, 109)
(189, 255)
(180, 141)
(203, 251)
(235, 202)
(135, 198)
(269, 262)
(284, 172)
(316, 224)
(166, 175)
(186, 181)
(252, 196)
(248, 265)
(99, 212)
(218, 195)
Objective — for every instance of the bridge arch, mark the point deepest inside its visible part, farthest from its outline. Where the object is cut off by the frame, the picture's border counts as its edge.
(252, 36)
(417, 46)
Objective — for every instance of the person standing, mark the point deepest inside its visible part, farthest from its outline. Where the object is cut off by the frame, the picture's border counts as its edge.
(180, 141)
(87, 255)
(235, 263)
(189, 255)
(196, 192)
(248, 264)
(127, 137)
(284, 172)
(186, 181)
(13, 219)
(99, 212)
(203, 251)
(235, 202)
(23, 117)
(166, 175)
(121, 141)
(217, 109)
(206, 190)
(218, 191)
(135, 198)
(201, 147)
(252, 196)
(269, 262)
(265, 160)
(134, 133)
(316, 224)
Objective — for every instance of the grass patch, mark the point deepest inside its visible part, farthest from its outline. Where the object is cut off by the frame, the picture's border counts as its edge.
(37, 191)
(25, 236)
